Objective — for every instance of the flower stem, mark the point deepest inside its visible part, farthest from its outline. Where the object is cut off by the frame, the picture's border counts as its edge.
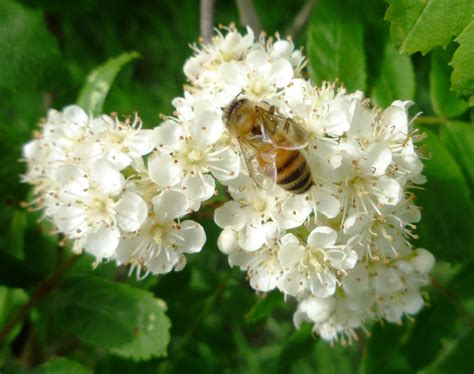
(248, 15)
(301, 19)
(45, 287)
(431, 120)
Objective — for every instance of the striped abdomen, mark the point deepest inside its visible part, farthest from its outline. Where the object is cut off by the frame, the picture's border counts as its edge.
(293, 173)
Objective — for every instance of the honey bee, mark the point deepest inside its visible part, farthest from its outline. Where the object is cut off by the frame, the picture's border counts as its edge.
(271, 145)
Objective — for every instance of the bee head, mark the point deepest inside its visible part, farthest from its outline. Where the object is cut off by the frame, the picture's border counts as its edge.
(229, 111)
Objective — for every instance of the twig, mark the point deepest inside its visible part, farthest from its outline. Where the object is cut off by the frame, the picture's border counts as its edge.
(301, 18)
(207, 19)
(43, 289)
(248, 15)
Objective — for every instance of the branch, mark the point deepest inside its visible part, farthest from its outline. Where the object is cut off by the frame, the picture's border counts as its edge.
(301, 19)
(43, 289)
(207, 19)
(248, 15)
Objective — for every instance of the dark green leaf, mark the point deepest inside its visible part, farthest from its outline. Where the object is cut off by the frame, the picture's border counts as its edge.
(396, 80)
(463, 60)
(458, 137)
(28, 49)
(446, 227)
(419, 26)
(377, 358)
(100, 80)
(445, 103)
(16, 243)
(298, 345)
(264, 307)
(10, 301)
(124, 320)
(335, 44)
(62, 365)
(17, 273)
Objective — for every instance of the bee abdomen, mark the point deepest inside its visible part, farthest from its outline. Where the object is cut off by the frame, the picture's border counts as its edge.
(293, 173)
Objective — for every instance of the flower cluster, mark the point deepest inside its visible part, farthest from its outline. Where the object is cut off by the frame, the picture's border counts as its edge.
(90, 179)
(341, 249)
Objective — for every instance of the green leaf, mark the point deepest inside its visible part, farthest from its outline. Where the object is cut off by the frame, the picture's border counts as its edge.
(446, 224)
(445, 103)
(332, 359)
(264, 307)
(10, 301)
(62, 365)
(463, 60)
(396, 80)
(112, 316)
(17, 273)
(421, 25)
(335, 44)
(100, 80)
(458, 137)
(16, 242)
(377, 358)
(28, 49)
(298, 345)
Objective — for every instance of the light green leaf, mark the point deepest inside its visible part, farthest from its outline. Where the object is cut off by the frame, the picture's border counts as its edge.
(421, 25)
(396, 80)
(445, 103)
(458, 137)
(463, 61)
(16, 242)
(335, 44)
(100, 80)
(112, 316)
(27, 48)
(62, 365)
(332, 359)
(446, 224)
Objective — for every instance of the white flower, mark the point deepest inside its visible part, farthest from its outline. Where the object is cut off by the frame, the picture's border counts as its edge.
(160, 244)
(314, 267)
(186, 154)
(95, 210)
(254, 212)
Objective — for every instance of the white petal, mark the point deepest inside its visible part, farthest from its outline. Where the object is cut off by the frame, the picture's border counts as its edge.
(163, 262)
(167, 136)
(132, 211)
(193, 237)
(325, 203)
(258, 61)
(252, 236)
(291, 283)
(281, 73)
(396, 119)
(264, 280)
(228, 241)
(71, 221)
(170, 205)
(282, 49)
(142, 142)
(74, 114)
(391, 191)
(325, 288)
(164, 171)
(423, 262)
(103, 242)
(231, 73)
(225, 165)
(231, 215)
(413, 302)
(377, 159)
(125, 249)
(206, 128)
(198, 186)
(109, 179)
(322, 237)
(290, 254)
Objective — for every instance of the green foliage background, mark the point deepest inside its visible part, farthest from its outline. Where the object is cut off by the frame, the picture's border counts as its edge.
(206, 318)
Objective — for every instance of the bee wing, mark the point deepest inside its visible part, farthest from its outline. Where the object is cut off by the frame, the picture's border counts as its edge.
(281, 131)
(261, 167)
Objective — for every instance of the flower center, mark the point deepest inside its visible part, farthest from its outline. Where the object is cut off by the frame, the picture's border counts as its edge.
(194, 157)
(159, 234)
(101, 209)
